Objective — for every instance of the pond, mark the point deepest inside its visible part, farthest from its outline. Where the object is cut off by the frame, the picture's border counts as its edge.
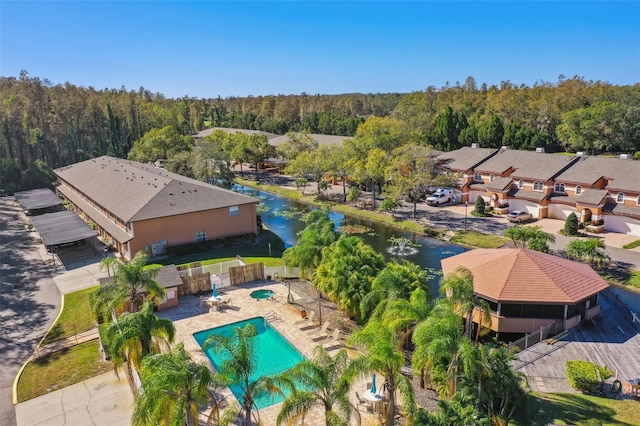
(284, 218)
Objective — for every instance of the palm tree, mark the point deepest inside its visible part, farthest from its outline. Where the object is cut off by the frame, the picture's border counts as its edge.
(136, 335)
(458, 289)
(307, 253)
(402, 315)
(320, 381)
(394, 282)
(174, 387)
(346, 271)
(531, 237)
(131, 281)
(109, 263)
(437, 340)
(240, 365)
(383, 356)
(591, 250)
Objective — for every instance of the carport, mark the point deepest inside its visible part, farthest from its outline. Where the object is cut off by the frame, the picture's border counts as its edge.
(61, 228)
(39, 201)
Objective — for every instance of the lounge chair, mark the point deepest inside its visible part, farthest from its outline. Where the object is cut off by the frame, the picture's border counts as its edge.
(361, 402)
(225, 303)
(322, 333)
(335, 339)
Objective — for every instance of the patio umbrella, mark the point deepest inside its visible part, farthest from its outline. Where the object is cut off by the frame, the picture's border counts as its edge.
(373, 384)
(215, 292)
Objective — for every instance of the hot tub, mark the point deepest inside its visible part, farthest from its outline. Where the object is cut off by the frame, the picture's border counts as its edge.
(262, 294)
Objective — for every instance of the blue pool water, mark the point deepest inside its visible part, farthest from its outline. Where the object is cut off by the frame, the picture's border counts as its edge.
(274, 354)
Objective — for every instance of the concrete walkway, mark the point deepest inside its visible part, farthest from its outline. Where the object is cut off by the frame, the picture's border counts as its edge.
(69, 342)
(101, 400)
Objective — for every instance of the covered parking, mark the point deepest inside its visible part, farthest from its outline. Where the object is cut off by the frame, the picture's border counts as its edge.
(61, 229)
(39, 201)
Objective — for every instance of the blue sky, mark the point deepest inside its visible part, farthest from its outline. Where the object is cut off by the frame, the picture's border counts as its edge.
(210, 48)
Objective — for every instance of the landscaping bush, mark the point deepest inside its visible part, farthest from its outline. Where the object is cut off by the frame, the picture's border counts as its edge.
(480, 209)
(583, 376)
(631, 245)
(571, 226)
(209, 245)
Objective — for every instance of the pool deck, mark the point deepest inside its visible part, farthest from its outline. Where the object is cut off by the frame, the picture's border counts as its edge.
(190, 317)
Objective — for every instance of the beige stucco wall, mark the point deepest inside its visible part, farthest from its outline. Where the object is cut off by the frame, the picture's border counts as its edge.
(182, 229)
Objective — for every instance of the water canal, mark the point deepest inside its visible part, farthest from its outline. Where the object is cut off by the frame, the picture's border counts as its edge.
(284, 218)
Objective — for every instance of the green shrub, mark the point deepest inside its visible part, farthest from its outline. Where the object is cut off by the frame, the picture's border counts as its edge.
(480, 209)
(571, 225)
(583, 376)
(209, 245)
(631, 245)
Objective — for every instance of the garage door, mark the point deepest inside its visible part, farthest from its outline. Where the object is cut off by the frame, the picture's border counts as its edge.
(622, 225)
(524, 205)
(473, 195)
(560, 211)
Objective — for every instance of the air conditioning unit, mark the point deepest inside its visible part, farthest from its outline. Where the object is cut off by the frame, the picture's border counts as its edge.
(539, 149)
(474, 145)
(504, 148)
(625, 157)
(579, 154)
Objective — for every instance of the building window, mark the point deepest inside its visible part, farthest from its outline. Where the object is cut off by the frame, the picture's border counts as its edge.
(520, 184)
(491, 178)
(559, 187)
(201, 236)
(578, 190)
(538, 186)
(620, 197)
(234, 211)
(477, 177)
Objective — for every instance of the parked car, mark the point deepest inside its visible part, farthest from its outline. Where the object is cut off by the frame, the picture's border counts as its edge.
(441, 196)
(54, 248)
(518, 216)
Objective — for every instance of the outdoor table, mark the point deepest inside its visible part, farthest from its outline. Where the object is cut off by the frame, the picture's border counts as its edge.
(375, 398)
(215, 301)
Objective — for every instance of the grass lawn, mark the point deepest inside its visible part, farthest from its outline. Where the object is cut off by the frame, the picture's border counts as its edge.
(478, 239)
(579, 409)
(75, 318)
(61, 369)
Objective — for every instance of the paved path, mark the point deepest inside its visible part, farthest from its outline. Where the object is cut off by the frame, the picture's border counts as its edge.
(29, 300)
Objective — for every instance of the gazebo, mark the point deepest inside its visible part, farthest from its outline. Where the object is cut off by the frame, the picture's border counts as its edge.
(527, 289)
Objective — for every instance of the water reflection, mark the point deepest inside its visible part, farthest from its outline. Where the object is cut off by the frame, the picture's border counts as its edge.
(284, 217)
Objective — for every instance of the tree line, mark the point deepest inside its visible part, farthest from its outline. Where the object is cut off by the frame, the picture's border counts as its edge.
(44, 126)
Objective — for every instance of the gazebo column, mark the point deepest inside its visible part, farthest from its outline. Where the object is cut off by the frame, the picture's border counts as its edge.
(564, 317)
(499, 308)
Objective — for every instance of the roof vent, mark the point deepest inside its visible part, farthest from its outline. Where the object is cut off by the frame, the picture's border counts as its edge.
(625, 157)
(171, 193)
(579, 154)
(540, 149)
(474, 145)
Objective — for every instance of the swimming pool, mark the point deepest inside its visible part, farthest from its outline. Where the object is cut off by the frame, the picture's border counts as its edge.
(274, 354)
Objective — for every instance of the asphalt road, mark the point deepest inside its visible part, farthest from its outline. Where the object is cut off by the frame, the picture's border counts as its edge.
(29, 299)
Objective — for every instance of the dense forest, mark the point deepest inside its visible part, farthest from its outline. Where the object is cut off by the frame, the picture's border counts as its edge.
(44, 126)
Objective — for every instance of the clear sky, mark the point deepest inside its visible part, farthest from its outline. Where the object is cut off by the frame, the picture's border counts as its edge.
(209, 48)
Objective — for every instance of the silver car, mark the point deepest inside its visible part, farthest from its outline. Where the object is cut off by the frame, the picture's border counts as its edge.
(518, 216)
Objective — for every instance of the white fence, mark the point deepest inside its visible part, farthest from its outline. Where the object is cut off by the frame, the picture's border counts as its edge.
(220, 272)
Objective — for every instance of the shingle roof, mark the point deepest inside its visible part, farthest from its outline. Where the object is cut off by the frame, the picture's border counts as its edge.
(622, 210)
(526, 195)
(207, 132)
(134, 191)
(465, 158)
(589, 196)
(321, 139)
(623, 175)
(526, 276)
(527, 164)
(499, 183)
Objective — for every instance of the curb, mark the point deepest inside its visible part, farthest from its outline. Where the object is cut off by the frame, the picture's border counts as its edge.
(14, 388)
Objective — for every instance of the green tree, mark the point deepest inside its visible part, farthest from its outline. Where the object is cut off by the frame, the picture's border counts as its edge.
(131, 281)
(296, 144)
(212, 162)
(383, 356)
(346, 271)
(308, 165)
(160, 144)
(593, 128)
(320, 381)
(174, 387)
(479, 207)
(239, 366)
(491, 132)
(136, 335)
(457, 287)
(571, 225)
(402, 315)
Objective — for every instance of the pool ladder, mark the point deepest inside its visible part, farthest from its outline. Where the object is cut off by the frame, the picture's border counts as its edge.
(270, 316)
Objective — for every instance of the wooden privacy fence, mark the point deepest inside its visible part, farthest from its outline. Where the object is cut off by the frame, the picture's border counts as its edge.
(246, 273)
(192, 284)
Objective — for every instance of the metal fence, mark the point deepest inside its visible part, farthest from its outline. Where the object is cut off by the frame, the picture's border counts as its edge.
(536, 337)
(623, 308)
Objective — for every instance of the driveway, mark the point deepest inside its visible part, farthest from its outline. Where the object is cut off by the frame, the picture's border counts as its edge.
(101, 400)
(29, 299)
